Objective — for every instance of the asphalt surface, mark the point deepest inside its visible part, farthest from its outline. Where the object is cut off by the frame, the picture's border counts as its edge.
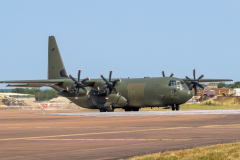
(43, 135)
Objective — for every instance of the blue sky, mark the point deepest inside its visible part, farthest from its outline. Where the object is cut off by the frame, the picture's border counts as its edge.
(134, 38)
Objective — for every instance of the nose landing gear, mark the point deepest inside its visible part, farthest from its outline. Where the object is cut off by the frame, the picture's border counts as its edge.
(175, 107)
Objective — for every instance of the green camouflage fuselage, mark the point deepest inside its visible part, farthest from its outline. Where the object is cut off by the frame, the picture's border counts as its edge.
(137, 92)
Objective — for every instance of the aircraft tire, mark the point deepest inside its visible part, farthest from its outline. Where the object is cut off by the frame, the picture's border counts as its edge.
(177, 107)
(173, 107)
(127, 110)
(135, 109)
(102, 110)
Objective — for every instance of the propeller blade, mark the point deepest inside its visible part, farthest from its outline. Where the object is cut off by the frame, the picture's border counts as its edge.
(71, 87)
(200, 77)
(117, 80)
(195, 90)
(77, 93)
(103, 78)
(102, 87)
(72, 78)
(171, 75)
(191, 86)
(86, 79)
(163, 74)
(115, 91)
(110, 75)
(188, 78)
(79, 73)
(194, 73)
(201, 86)
(83, 88)
(108, 92)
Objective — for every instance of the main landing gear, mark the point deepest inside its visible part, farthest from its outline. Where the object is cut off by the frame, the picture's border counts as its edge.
(104, 110)
(175, 107)
(131, 109)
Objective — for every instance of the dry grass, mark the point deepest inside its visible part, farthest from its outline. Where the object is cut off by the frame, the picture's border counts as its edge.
(205, 106)
(228, 151)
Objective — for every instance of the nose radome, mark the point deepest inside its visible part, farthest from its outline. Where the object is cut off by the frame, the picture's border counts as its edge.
(186, 95)
(190, 94)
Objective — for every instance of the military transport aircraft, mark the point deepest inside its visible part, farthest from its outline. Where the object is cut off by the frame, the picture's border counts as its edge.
(104, 94)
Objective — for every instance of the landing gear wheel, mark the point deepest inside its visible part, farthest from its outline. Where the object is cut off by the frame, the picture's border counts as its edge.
(135, 109)
(177, 108)
(127, 110)
(173, 107)
(102, 110)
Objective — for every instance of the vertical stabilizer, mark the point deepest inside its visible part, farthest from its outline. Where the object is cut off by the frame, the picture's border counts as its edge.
(56, 69)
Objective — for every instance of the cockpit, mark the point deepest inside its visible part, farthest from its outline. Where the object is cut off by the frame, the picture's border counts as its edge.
(180, 84)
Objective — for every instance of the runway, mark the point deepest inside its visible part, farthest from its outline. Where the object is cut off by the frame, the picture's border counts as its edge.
(72, 134)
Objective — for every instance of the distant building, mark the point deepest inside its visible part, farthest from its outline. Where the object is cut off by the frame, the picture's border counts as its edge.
(210, 86)
(237, 91)
(19, 96)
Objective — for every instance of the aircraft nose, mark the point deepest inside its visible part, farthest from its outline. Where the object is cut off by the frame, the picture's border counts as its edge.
(186, 95)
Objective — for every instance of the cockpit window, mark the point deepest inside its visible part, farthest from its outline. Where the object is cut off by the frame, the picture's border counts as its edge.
(172, 83)
(184, 85)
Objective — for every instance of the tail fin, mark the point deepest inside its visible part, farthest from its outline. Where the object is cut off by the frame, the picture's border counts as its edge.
(56, 69)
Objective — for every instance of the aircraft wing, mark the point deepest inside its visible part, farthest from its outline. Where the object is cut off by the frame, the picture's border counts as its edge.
(33, 83)
(211, 80)
(41, 83)
(215, 80)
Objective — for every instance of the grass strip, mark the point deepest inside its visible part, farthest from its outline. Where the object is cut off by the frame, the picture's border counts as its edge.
(227, 151)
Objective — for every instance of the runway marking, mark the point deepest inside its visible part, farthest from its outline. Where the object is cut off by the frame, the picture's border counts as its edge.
(42, 127)
(110, 139)
(71, 127)
(14, 127)
(115, 132)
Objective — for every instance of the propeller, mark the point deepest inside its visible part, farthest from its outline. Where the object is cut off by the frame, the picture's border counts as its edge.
(109, 85)
(163, 74)
(78, 84)
(195, 82)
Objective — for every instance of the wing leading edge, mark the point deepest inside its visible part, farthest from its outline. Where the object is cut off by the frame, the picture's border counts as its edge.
(210, 80)
(33, 83)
